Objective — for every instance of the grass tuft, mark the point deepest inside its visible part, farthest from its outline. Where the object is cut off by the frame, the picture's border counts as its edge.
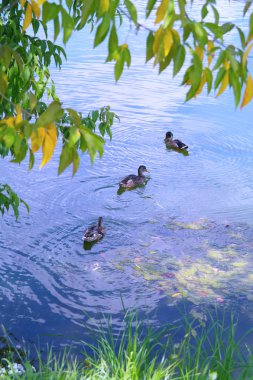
(193, 351)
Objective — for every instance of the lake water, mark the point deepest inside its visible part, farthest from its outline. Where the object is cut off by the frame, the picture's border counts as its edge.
(184, 238)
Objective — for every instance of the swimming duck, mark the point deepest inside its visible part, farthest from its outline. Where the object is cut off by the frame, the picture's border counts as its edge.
(170, 143)
(133, 180)
(94, 233)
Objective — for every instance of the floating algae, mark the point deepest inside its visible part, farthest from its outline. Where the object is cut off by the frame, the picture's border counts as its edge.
(201, 261)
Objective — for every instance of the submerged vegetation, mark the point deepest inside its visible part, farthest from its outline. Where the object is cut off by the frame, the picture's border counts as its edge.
(195, 349)
(203, 262)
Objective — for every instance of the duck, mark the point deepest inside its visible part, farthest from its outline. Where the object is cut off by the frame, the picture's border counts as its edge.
(133, 180)
(177, 144)
(94, 233)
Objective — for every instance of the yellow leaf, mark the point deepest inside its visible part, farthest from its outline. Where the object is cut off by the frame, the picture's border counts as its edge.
(37, 138)
(103, 6)
(248, 94)
(246, 53)
(40, 2)
(176, 295)
(161, 11)
(176, 36)
(22, 2)
(200, 52)
(10, 121)
(36, 8)
(28, 17)
(250, 37)
(210, 46)
(167, 41)
(49, 144)
(157, 39)
(226, 65)
(19, 117)
(224, 84)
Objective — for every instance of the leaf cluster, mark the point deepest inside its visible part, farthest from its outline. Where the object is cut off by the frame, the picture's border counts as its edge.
(177, 39)
(8, 198)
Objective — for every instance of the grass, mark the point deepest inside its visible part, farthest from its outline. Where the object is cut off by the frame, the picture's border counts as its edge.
(191, 351)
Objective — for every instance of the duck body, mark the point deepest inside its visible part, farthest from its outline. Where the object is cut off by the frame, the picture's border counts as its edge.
(133, 180)
(94, 233)
(174, 143)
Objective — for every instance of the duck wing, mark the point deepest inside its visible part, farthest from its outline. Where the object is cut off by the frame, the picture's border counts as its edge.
(180, 144)
(129, 180)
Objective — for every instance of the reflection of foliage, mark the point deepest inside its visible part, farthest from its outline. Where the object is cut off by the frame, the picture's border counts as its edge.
(8, 198)
(204, 262)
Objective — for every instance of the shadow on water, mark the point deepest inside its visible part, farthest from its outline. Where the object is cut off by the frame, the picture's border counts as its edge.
(87, 245)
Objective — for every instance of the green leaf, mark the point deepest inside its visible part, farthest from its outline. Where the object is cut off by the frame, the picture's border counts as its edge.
(113, 40)
(113, 8)
(9, 137)
(31, 159)
(56, 27)
(165, 62)
(66, 158)
(215, 29)
(179, 59)
(219, 77)
(235, 83)
(118, 68)
(88, 8)
(216, 15)
(251, 25)
(52, 114)
(209, 79)
(25, 204)
(200, 34)
(50, 11)
(94, 143)
(35, 25)
(18, 59)
(76, 162)
(32, 101)
(204, 11)
(187, 30)
(74, 136)
(102, 29)
(219, 60)
(150, 6)
(227, 27)
(69, 3)
(127, 56)
(132, 10)
(242, 37)
(74, 117)
(247, 6)
(149, 48)
(67, 25)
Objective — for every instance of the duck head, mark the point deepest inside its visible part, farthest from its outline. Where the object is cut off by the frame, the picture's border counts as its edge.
(169, 135)
(142, 169)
